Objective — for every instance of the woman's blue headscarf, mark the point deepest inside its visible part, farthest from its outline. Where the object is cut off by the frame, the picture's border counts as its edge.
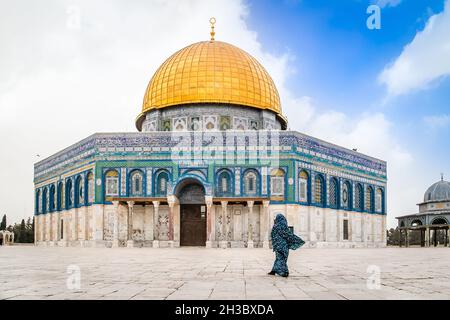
(282, 237)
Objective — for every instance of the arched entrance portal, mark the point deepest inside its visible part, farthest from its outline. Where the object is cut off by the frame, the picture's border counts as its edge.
(192, 214)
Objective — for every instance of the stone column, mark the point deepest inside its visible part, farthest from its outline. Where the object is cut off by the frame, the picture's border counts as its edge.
(350, 226)
(43, 228)
(155, 224)
(86, 224)
(340, 225)
(427, 236)
(82, 225)
(66, 225)
(250, 243)
(57, 227)
(363, 229)
(223, 240)
(265, 212)
(98, 223)
(148, 224)
(115, 242)
(36, 226)
(171, 200)
(49, 222)
(209, 225)
(130, 242)
(406, 238)
(50, 226)
(448, 237)
(75, 224)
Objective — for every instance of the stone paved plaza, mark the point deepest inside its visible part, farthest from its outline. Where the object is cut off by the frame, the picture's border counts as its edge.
(199, 273)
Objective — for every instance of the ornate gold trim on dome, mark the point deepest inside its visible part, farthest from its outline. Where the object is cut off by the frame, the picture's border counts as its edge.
(211, 72)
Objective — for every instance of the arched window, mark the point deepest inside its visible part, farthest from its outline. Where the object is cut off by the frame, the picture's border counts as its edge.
(369, 199)
(38, 202)
(79, 191)
(359, 197)
(379, 201)
(162, 180)
(44, 201)
(303, 186)
(136, 179)
(112, 183)
(52, 199)
(277, 182)
(346, 200)
(224, 183)
(90, 186)
(319, 190)
(59, 197)
(334, 193)
(69, 194)
(250, 182)
(439, 221)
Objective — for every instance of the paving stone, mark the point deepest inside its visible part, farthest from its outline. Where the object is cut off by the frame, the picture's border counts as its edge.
(199, 273)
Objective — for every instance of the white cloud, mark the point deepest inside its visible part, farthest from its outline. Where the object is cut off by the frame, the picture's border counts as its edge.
(422, 61)
(369, 133)
(387, 3)
(437, 121)
(59, 84)
(62, 81)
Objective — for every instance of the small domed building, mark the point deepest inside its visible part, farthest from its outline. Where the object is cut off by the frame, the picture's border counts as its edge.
(432, 220)
(211, 165)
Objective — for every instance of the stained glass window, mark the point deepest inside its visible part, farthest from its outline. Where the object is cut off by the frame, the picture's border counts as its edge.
(112, 183)
(277, 182)
(224, 181)
(161, 183)
(379, 201)
(69, 194)
(44, 201)
(136, 183)
(91, 190)
(358, 197)
(333, 193)
(80, 184)
(52, 198)
(59, 202)
(369, 199)
(39, 201)
(303, 186)
(319, 192)
(346, 195)
(250, 182)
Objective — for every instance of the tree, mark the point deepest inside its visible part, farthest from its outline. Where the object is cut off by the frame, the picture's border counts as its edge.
(30, 230)
(22, 232)
(3, 223)
(393, 237)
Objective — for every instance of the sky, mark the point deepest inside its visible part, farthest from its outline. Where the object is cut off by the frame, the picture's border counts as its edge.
(69, 69)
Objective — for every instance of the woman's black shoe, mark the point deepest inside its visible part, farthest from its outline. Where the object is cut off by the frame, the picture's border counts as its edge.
(285, 275)
(272, 273)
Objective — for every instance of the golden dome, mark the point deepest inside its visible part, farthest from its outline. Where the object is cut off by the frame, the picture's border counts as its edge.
(211, 72)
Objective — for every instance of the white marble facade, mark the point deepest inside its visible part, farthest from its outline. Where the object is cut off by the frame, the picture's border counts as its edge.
(229, 225)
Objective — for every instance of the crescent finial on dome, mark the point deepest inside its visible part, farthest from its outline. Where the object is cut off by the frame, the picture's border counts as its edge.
(212, 21)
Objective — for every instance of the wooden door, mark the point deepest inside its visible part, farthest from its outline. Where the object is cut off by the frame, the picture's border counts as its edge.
(193, 225)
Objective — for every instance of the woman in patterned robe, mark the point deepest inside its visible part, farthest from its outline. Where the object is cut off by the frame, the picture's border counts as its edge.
(282, 240)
